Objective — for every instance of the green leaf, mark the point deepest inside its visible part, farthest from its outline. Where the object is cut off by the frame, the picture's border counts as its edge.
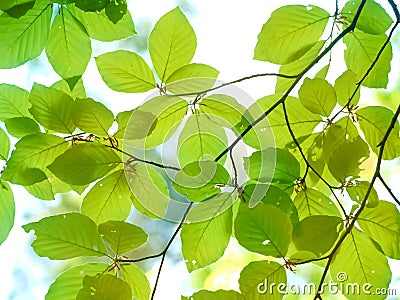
(7, 210)
(122, 237)
(264, 229)
(149, 190)
(20, 9)
(78, 91)
(52, 108)
(109, 199)
(22, 126)
(323, 72)
(66, 236)
(85, 163)
(156, 120)
(122, 120)
(361, 263)
(67, 284)
(289, 33)
(104, 286)
(92, 116)
(215, 295)
(345, 161)
(41, 190)
(90, 5)
(345, 86)
(358, 191)
(34, 151)
(205, 242)
(257, 277)
(373, 18)
(17, 33)
(362, 49)
(374, 121)
(318, 96)
(172, 43)
(115, 10)
(125, 71)
(191, 78)
(4, 145)
(311, 202)
(382, 224)
(99, 26)
(137, 280)
(200, 180)
(296, 67)
(200, 139)
(69, 48)
(14, 102)
(317, 234)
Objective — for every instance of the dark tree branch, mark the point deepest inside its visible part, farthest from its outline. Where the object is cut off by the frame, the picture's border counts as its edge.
(389, 189)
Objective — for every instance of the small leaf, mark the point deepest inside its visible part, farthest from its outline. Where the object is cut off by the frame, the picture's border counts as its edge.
(52, 108)
(92, 116)
(67, 284)
(66, 236)
(22, 126)
(289, 33)
(115, 10)
(108, 199)
(357, 193)
(318, 96)
(122, 237)
(264, 229)
(137, 280)
(104, 286)
(85, 163)
(42, 190)
(125, 71)
(172, 43)
(14, 102)
(256, 279)
(4, 145)
(345, 85)
(78, 91)
(7, 210)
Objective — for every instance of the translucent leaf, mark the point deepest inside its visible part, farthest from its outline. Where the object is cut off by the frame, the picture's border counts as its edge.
(14, 102)
(318, 96)
(99, 26)
(357, 193)
(345, 161)
(172, 43)
(33, 151)
(205, 242)
(78, 90)
(19, 127)
(200, 180)
(67, 284)
(264, 229)
(52, 108)
(200, 139)
(382, 224)
(66, 236)
(373, 18)
(345, 86)
(374, 122)
(104, 286)
(361, 263)
(85, 163)
(42, 190)
(289, 33)
(125, 71)
(122, 237)
(317, 234)
(7, 210)
(30, 29)
(68, 49)
(256, 278)
(4, 145)
(137, 280)
(296, 67)
(109, 199)
(362, 49)
(214, 295)
(156, 120)
(311, 202)
(92, 116)
(323, 72)
(115, 10)
(191, 78)
(149, 190)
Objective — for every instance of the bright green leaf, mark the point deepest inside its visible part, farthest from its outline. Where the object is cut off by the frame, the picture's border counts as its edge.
(289, 33)
(78, 90)
(345, 85)
(323, 72)
(14, 102)
(41, 190)
(7, 210)
(172, 43)
(4, 145)
(66, 236)
(137, 280)
(19, 127)
(215, 295)
(104, 286)
(358, 191)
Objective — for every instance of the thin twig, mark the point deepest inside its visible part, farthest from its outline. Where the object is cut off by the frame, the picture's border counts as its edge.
(389, 189)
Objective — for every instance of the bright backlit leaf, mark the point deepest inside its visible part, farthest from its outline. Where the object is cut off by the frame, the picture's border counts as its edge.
(14, 102)
(104, 286)
(42, 190)
(4, 145)
(345, 85)
(214, 295)
(137, 280)
(22, 126)
(358, 191)
(7, 210)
